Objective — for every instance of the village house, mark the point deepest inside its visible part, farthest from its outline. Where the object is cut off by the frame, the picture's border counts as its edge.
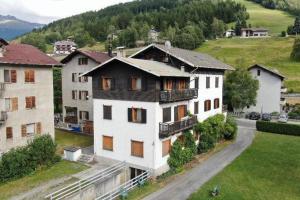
(26, 94)
(153, 35)
(77, 91)
(270, 93)
(142, 104)
(64, 47)
(254, 32)
(229, 33)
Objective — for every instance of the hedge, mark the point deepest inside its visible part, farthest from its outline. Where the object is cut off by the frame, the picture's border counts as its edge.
(279, 128)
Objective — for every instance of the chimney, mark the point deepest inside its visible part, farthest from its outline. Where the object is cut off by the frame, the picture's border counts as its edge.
(121, 52)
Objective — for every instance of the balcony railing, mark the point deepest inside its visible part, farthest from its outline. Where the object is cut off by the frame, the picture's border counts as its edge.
(168, 129)
(3, 117)
(178, 95)
(71, 119)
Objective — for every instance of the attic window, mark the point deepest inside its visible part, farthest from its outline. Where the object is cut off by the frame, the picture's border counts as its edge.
(258, 72)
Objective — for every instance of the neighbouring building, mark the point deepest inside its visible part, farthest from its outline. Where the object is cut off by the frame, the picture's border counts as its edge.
(270, 93)
(229, 33)
(153, 35)
(77, 91)
(64, 47)
(26, 94)
(254, 32)
(142, 104)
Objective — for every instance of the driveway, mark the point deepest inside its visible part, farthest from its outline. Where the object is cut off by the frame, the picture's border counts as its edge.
(182, 187)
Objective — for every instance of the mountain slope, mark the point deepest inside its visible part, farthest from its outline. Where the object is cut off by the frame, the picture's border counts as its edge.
(11, 27)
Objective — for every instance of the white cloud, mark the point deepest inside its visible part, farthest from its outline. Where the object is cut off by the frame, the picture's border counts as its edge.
(45, 11)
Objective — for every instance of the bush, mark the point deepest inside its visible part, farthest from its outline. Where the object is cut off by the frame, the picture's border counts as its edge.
(279, 128)
(22, 161)
(206, 143)
(230, 130)
(295, 55)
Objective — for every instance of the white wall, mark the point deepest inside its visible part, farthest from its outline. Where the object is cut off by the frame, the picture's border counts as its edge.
(67, 86)
(269, 93)
(42, 89)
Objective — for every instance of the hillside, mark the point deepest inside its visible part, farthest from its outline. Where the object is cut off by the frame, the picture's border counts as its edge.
(11, 27)
(291, 6)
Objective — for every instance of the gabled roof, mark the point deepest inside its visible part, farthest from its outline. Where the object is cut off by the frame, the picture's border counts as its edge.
(158, 69)
(27, 55)
(192, 58)
(255, 29)
(96, 56)
(273, 72)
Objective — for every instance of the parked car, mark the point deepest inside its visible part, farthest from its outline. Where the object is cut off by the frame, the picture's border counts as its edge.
(254, 116)
(283, 118)
(266, 117)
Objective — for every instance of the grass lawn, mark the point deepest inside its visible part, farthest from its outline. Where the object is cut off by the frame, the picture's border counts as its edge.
(273, 52)
(269, 169)
(65, 138)
(59, 170)
(275, 20)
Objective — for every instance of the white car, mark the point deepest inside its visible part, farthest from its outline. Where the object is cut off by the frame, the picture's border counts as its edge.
(283, 118)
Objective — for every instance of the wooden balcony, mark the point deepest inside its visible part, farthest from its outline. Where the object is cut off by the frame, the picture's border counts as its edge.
(3, 117)
(168, 129)
(177, 95)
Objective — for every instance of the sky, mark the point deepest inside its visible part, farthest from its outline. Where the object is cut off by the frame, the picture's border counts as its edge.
(45, 11)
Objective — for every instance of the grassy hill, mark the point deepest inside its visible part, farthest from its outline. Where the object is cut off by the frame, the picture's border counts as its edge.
(275, 20)
(273, 52)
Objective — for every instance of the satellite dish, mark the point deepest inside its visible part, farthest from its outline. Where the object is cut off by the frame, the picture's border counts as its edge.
(168, 45)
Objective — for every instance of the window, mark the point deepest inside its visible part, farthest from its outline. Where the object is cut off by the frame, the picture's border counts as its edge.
(30, 102)
(74, 94)
(166, 147)
(108, 143)
(9, 133)
(196, 107)
(137, 149)
(216, 103)
(29, 76)
(181, 85)
(83, 95)
(82, 61)
(217, 82)
(197, 82)
(168, 84)
(135, 83)
(207, 105)
(107, 83)
(83, 115)
(11, 104)
(166, 114)
(74, 77)
(137, 115)
(180, 112)
(258, 72)
(207, 82)
(10, 76)
(82, 79)
(28, 130)
(107, 112)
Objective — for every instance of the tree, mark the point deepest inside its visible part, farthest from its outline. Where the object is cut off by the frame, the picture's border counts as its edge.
(295, 55)
(36, 40)
(296, 28)
(240, 89)
(218, 28)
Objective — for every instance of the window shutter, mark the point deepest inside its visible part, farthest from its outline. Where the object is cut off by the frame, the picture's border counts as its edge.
(166, 147)
(33, 102)
(129, 115)
(9, 133)
(13, 74)
(28, 102)
(23, 131)
(137, 149)
(107, 143)
(209, 104)
(175, 113)
(32, 77)
(144, 116)
(14, 103)
(39, 128)
(27, 79)
(144, 84)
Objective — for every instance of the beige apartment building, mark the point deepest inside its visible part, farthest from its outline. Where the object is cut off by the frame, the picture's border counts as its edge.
(26, 94)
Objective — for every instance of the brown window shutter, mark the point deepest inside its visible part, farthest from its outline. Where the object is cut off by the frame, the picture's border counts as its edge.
(137, 149)
(33, 102)
(166, 147)
(39, 128)
(9, 133)
(32, 77)
(27, 79)
(108, 143)
(23, 131)
(28, 102)
(13, 74)
(14, 102)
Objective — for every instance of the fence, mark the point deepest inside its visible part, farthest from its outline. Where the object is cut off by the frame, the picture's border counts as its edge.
(79, 186)
(123, 189)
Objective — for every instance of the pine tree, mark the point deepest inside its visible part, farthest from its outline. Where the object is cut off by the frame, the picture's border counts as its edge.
(295, 55)
(296, 27)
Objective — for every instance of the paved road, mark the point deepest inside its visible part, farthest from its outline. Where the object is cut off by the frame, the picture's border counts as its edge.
(188, 183)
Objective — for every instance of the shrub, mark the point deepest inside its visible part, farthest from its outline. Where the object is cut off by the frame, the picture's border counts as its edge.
(22, 161)
(230, 130)
(279, 128)
(206, 143)
(189, 142)
(175, 160)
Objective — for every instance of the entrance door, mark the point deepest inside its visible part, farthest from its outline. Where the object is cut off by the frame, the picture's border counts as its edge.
(134, 172)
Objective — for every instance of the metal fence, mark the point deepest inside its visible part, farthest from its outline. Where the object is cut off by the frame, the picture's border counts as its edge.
(125, 187)
(79, 186)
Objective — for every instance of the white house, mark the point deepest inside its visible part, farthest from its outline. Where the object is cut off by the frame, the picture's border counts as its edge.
(229, 33)
(77, 91)
(269, 96)
(142, 104)
(26, 94)
(254, 32)
(64, 47)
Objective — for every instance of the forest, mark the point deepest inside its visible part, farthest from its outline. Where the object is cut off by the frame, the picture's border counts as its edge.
(186, 23)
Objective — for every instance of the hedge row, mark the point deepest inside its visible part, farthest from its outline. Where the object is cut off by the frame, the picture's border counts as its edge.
(22, 161)
(279, 128)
